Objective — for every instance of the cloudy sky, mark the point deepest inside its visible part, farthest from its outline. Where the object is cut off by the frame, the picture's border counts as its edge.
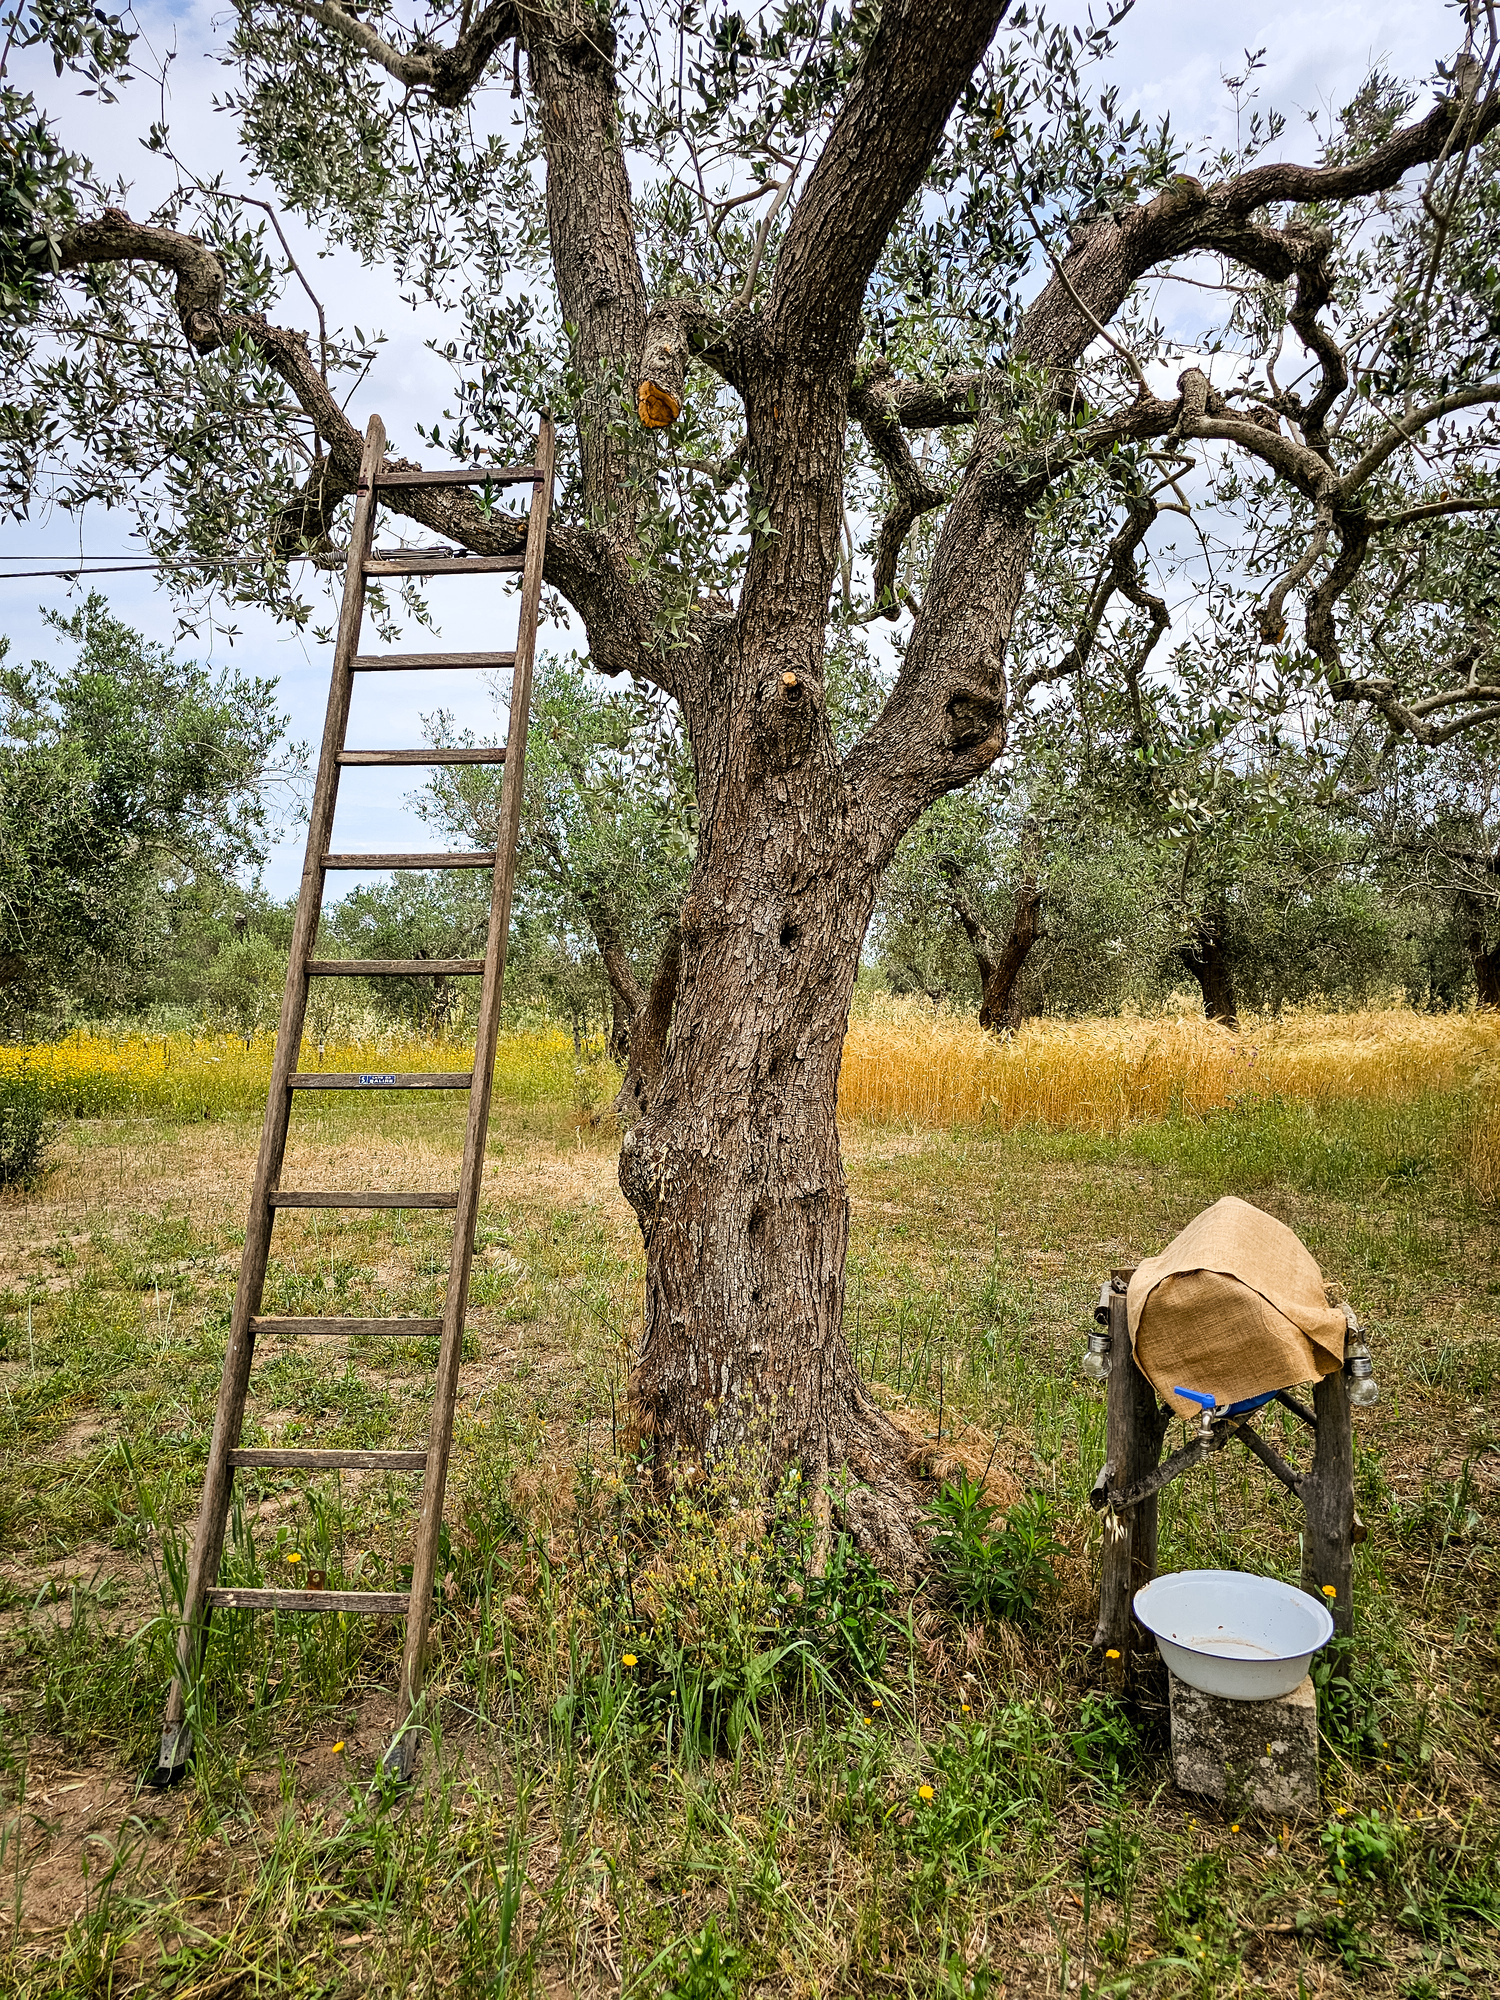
(1172, 58)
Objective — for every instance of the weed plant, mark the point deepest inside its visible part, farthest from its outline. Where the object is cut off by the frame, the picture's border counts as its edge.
(1004, 1571)
(28, 1127)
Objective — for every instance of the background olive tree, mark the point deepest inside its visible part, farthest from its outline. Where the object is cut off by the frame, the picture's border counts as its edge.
(133, 787)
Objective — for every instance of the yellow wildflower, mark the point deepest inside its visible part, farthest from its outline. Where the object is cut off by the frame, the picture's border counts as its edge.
(1113, 1653)
(1329, 1590)
(337, 1747)
(629, 1660)
(924, 1791)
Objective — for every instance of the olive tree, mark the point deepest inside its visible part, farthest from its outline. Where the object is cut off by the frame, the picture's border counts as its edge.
(133, 786)
(608, 827)
(750, 257)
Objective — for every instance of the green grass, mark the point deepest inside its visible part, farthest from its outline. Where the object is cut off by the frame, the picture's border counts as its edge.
(664, 1758)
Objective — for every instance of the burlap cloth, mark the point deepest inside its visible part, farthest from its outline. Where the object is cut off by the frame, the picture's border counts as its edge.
(1232, 1307)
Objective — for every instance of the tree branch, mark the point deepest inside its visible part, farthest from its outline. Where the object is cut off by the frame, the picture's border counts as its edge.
(570, 51)
(919, 58)
(1407, 428)
(946, 718)
(1117, 573)
(1430, 511)
(449, 74)
(679, 331)
(590, 568)
(912, 495)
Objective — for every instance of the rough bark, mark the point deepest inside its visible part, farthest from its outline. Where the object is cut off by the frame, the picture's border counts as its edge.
(733, 1169)
(1207, 958)
(647, 1030)
(1001, 961)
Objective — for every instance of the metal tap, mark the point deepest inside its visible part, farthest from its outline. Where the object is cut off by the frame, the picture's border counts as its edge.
(1206, 1408)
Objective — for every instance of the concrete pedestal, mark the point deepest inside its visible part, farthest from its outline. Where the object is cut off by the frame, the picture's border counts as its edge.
(1257, 1759)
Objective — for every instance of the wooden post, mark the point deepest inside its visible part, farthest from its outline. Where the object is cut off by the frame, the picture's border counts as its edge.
(1134, 1428)
(1328, 1496)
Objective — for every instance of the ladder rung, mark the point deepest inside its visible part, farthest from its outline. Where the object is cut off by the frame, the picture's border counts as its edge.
(490, 755)
(405, 663)
(415, 562)
(407, 968)
(436, 1079)
(464, 475)
(374, 1603)
(332, 1461)
(411, 1329)
(476, 858)
(339, 1198)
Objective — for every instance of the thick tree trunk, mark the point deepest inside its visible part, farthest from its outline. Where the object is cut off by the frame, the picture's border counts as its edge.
(1000, 962)
(1485, 959)
(1207, 959)
(733, 1168)
(1000, 998)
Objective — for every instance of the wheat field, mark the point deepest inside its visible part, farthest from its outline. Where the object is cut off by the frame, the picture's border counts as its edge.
(902, 1064)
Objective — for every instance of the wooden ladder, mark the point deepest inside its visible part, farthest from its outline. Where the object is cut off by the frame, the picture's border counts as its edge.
(267, 1195)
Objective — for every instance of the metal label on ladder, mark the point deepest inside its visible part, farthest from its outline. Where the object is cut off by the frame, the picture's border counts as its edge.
(377, 1079)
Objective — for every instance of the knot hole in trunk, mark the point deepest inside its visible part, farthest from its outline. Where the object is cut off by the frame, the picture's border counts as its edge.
(790, 932)
(788, 720)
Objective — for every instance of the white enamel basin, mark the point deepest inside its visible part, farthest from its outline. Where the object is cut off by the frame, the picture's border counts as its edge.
(1248, 1638)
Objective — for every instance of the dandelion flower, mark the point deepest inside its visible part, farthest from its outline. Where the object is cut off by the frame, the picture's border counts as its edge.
(865, 1719)
(294, 1557)
(1329, 1590)
(628, 1660)
(877, 1702)
(1113, 1653)
(337, 1747)
(967, 1709)
(1235, 1828)
(924, 1791)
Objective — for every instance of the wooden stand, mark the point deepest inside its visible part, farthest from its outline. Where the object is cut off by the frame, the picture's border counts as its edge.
(1128, 1488)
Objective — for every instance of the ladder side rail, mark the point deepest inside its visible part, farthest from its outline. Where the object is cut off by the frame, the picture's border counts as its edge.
(213, 1511)
(440, 1435)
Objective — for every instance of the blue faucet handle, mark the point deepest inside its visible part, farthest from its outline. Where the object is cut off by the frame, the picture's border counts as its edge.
(1197, 1396)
